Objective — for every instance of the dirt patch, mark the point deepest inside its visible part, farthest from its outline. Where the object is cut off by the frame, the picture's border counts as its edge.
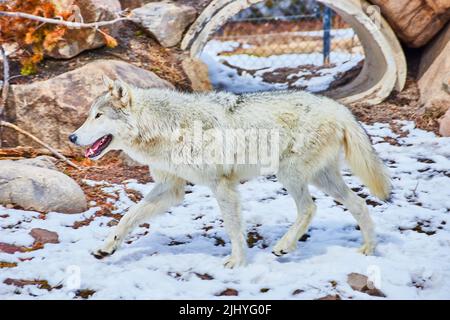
(111, 170)
(403, 105)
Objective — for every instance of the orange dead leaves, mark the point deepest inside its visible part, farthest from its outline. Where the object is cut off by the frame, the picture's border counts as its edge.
(36, 37)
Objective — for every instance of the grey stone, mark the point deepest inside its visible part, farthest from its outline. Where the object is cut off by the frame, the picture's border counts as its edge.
(40, 189)
(361, 283)
(166, 21)
(41, 162)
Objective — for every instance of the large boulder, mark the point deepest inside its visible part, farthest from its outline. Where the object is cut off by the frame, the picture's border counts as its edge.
(40, 189)
(133, 4)
(434, 78)
(54, 108)
(197, 72)
(41, 162)
(416, 22)
(166, 21)
(76, 41)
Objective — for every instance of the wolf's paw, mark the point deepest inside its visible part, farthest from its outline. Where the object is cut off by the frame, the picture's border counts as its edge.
(235, 261)
(367, 249)
(283, 247)
(99, 254)
(105, 251)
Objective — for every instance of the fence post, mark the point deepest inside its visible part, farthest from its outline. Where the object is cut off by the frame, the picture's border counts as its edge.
(327, 13)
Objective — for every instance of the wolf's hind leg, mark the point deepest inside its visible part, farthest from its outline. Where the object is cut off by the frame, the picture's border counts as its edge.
(229, 202)
(331, 182)
(163, 196)
(305, 213)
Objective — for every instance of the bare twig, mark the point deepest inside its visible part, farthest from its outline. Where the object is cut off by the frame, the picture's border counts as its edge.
(21, 152)
(68, 24)
(36, 139)
(5, 87)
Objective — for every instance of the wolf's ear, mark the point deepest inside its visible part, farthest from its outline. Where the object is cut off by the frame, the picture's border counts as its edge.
(121, 91)
(109, 83)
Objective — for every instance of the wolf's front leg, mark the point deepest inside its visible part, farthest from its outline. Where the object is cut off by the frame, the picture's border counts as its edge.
(163, 196)
(229, 202)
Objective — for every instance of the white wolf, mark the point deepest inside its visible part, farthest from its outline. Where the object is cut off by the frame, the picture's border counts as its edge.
(311, 131)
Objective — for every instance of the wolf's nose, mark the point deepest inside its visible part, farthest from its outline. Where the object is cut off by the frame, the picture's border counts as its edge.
(73, 138)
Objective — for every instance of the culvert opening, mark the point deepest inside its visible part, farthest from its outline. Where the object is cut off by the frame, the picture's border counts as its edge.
(283, 44)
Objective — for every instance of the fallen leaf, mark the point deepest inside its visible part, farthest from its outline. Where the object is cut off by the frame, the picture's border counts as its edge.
(84, 293)
(204, 276)
(41, 284)
(4, 264)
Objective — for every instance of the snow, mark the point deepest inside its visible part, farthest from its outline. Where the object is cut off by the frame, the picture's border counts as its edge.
(186, 242)
(228, 78)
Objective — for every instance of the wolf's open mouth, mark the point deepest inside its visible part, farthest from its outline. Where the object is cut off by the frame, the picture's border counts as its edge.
(98, 146)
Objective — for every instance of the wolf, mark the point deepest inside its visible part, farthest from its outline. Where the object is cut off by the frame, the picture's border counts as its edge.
(313, 132)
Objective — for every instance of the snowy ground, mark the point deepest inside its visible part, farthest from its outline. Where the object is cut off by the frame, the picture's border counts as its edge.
(182, 254)
(225, 71)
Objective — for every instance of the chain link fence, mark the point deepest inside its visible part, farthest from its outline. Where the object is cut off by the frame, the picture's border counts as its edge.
(283, 44)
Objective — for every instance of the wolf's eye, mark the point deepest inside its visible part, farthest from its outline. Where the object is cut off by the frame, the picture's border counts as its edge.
(98, 115)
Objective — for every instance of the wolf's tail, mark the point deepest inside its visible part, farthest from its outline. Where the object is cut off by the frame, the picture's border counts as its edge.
(364, 161)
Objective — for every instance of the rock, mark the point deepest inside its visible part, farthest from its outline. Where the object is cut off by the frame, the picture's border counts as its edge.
(416, 22)
(44, 236)
(133, 4)
(41, 162)
(40, 189)
(197, 72)
(434, 78)
(361, 283)
(357, 281)
(76, 41)
(54, 108)
(374, 292)
(9, 248)
(166, 21)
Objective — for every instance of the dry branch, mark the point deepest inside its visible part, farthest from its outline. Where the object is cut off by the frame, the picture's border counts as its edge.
(5, 87)
(42, 143)
(21, 152)
(69, 24)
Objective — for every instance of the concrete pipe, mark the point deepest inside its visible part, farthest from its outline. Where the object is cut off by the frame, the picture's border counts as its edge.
(384, 67)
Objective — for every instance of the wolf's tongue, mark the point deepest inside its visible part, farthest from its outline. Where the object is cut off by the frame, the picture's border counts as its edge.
(89, 152)
(93, 149)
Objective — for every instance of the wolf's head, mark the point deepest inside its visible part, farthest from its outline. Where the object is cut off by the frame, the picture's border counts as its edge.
(107, 122)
